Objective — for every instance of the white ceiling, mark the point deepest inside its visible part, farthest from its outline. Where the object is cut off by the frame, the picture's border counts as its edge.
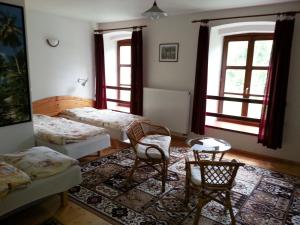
(118, 10)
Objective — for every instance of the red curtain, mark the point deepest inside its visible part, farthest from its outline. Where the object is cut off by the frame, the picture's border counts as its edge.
(136, 104)
(100, 73)
(272, 119)
(200, 89)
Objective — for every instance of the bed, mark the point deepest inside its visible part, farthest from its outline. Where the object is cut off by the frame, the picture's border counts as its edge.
(69, 137)
(51, 175)
(115, 122)
(59, 105)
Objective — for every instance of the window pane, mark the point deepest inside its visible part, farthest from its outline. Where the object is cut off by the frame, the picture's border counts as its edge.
(234, 81)
(258, 82)
(125, 75)
(212, 105)
(262, 52)
(237, 53)
(125, 95)
(111, 93)
(125, 54)
(232, 108)
(111, 77)
(254, 110)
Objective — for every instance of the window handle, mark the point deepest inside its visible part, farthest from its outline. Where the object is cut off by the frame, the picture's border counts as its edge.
(247, 91)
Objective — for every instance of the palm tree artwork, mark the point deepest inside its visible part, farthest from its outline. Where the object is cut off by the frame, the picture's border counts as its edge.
(14, 88)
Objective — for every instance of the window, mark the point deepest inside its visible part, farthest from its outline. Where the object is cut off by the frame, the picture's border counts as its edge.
(118, 94)
(245, 65)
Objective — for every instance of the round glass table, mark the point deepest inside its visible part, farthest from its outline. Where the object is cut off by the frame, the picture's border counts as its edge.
(209, 145)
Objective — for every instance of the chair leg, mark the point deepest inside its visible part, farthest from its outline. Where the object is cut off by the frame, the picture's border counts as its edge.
(135, 166)
(229, 205)
(187, 189)
(197, 216)
(64, 198)
(164, 176)
(201, 202)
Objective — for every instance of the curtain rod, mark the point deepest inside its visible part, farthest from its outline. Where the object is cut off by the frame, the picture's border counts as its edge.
(121, 28)
(248, 16)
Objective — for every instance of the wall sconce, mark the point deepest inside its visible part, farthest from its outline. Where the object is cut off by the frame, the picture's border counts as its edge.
(52, 42)
(82, 81)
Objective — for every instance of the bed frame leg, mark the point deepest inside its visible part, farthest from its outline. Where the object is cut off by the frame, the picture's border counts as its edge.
(64, 198)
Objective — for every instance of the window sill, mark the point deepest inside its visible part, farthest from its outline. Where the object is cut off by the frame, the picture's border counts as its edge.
(120, 109)
(239, 128)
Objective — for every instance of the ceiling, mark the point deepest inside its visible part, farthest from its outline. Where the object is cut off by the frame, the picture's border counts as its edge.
(118, 10)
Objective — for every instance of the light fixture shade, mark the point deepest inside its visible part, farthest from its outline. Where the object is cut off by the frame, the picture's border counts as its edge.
(154, 12)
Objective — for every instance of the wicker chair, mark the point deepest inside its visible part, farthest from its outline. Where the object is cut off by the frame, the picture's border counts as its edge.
(214, 179)
(151, 144)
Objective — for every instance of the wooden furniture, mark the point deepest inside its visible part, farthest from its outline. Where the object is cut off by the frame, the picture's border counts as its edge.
(151, 144)
(214, 180)
(210, 145)
(52, 106)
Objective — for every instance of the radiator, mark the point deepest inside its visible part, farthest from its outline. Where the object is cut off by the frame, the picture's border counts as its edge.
(170, 108)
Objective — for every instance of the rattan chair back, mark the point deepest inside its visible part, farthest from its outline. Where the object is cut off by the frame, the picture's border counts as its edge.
(218, 175)
(135, 132)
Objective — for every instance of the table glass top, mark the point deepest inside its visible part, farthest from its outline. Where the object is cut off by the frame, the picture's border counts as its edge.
(209, 144)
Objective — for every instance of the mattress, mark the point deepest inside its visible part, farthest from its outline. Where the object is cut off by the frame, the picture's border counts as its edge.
(80, 149)
(61, 131)
(115, 122)
(41, 188)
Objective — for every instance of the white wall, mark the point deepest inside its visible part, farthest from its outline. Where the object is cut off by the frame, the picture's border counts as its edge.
(181, 75)
(19, 136)
(54, 71)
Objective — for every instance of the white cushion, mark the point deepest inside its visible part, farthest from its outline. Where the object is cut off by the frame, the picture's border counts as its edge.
(195, 175)
(39, 162)
(160, 140)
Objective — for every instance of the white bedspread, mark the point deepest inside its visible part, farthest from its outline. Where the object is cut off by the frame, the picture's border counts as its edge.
(62, 131)
(101, 118)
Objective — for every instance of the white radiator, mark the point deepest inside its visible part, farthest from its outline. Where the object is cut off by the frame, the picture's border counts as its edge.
(168, 107)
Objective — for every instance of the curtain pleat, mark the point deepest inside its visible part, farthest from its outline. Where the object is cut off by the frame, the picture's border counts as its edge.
(200, 89)
(136, 104)
(100, 73)
(272, 119)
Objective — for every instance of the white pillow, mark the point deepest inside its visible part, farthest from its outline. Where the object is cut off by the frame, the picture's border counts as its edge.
(11, 178)
(39, 162)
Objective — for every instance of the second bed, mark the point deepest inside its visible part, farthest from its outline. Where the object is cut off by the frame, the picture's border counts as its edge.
(69, 137)
(115, 122)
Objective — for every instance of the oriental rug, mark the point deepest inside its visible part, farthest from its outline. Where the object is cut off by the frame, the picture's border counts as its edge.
(259, 197)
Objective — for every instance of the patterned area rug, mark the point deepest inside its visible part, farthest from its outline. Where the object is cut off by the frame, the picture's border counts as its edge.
(259, 197)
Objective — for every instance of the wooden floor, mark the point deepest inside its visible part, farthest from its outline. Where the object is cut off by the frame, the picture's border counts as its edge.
(72, 214)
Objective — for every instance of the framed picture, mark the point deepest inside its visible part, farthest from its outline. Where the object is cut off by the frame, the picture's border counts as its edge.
(168, 52)
(14, 83)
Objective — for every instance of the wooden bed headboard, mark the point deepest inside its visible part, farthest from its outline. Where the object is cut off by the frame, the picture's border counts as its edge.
(52, 106)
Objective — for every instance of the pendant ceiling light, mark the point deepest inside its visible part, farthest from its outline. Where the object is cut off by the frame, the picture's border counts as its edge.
(154, 12)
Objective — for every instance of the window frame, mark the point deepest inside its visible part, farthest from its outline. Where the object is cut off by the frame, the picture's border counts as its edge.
(120, 87)
(251, 38)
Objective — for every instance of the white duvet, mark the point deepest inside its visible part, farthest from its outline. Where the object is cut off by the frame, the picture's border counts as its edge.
(101, 117)
(62, 131)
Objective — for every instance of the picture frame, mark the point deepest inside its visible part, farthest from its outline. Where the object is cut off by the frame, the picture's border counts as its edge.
(168, 52)
(14, 83)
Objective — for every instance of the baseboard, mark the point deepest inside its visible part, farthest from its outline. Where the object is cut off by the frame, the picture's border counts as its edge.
(264, 157)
